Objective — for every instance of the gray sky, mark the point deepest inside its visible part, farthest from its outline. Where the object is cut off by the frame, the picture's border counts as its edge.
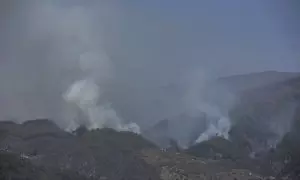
(152, 46)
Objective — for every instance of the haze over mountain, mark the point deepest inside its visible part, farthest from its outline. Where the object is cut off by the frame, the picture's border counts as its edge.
(268, 107)
(215, 84)
(149, 59)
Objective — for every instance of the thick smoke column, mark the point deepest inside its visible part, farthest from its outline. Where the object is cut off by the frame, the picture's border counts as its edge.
(86, 93)
(117, 62)
(77, 42)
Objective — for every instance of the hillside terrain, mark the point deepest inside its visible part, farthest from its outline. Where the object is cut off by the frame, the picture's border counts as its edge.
(266, 119)
(265, 122)
(266, 114)
(263, 143)
(266, 100)
(98, 153)
(46, 152)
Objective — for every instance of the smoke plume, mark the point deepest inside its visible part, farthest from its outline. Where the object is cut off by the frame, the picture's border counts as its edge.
(110, 63)
(202, 95)
(97, 70)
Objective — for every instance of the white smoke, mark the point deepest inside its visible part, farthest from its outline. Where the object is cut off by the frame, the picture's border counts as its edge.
(77, 47)
(199, 99)
(220, 128)
(87, 94)
(218, 123)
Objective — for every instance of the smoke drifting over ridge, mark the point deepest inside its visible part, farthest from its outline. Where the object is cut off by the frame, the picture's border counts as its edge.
(122, 63)
(70, 45)
(82, 48)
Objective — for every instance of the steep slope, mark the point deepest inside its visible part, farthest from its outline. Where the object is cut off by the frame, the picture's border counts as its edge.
(45, 144)
(267, 118)
(116, 154)
(95, 154)
(266, 121)
(261, 118)
(105, 154)
(233, 94)
(266, 113)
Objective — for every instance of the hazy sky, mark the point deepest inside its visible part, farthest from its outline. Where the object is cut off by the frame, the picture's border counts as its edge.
(226, 36)
(152, 45)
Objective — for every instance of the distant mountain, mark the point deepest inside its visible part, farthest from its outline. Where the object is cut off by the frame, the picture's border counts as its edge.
(267, 97)
(269, 110)
(265, 118)
(239, 83)
(185, 129)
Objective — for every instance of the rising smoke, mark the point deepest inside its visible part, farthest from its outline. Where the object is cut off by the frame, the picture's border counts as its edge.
(71, 70)
(79, 72)
(118, 64)
(202, 96)
(80, 46)
(86, 94)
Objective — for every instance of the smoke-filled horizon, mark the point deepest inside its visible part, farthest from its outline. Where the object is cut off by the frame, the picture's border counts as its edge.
(140, 61)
